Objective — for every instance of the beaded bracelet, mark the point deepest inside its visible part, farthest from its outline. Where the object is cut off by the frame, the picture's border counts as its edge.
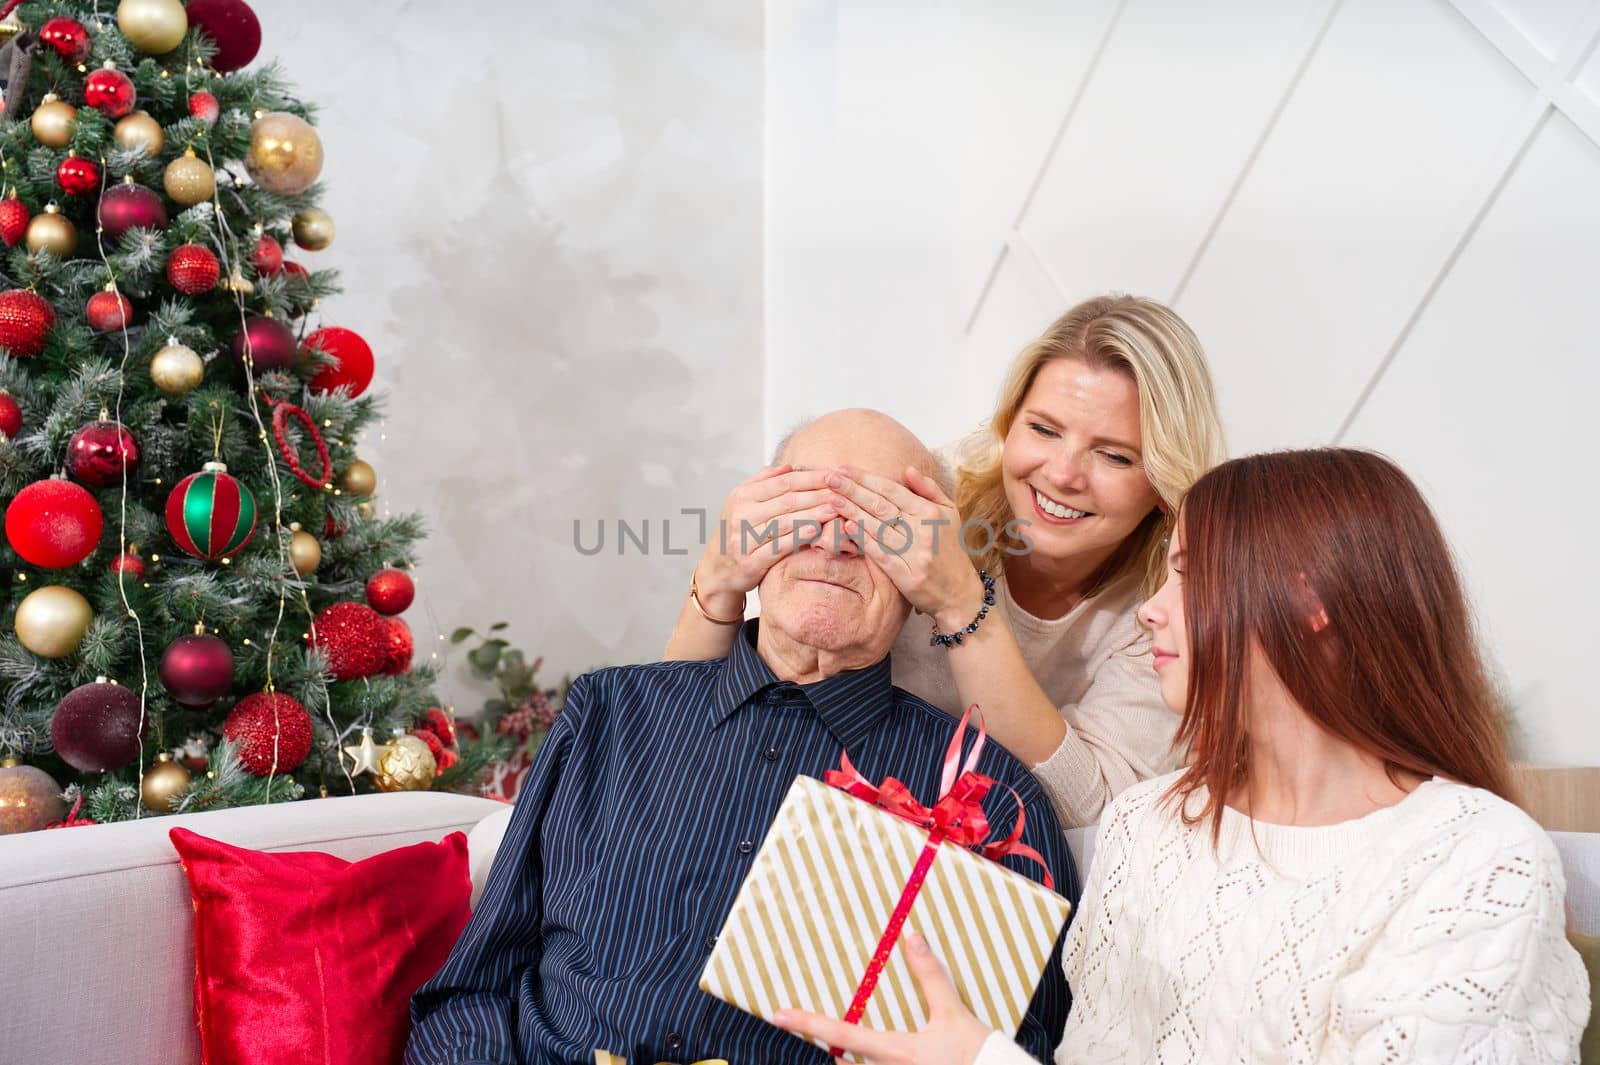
(954, 639)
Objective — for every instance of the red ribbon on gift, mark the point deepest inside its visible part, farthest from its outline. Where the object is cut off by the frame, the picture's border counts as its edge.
(957, 815)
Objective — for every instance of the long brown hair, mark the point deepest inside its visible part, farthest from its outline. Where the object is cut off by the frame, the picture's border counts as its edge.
(1395, 672)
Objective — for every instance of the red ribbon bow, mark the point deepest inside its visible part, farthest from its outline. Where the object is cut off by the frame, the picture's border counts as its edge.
(957, 815)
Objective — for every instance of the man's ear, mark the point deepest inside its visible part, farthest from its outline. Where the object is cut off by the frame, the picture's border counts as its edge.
(1311, 602)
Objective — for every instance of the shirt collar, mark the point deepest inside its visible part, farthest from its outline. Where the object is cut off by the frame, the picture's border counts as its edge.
(850, 704)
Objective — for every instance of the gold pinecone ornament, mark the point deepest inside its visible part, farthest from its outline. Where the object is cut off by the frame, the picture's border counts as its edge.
(406, 765)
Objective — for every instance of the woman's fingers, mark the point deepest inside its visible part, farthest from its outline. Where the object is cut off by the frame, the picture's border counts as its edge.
(870, 499)
(927, 488)
(758, 515)
(875, 1046)
(937, 989)
(780, 479)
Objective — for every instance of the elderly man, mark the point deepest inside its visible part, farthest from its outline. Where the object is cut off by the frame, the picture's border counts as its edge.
(645, 807)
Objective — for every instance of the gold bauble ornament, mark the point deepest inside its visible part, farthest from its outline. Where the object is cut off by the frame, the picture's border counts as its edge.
(139, 130)
(51, 621)
(367, 755)
(177, 370)
(53, 121)
(155, 27)
(406, 765)
(29, 798)
(305, 553)
(10, 26)
(189, 179)
(359, 479)
(53, 232)
(285, 154)
(313, 229)
(163, 782)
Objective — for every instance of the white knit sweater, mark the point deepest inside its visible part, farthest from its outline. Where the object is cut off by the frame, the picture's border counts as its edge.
(1429, 931)
(1094, 664)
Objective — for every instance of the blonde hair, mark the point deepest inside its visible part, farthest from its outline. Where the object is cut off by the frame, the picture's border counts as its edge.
(1178, 422)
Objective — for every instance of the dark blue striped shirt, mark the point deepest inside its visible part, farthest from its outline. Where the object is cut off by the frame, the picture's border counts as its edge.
(631, 836)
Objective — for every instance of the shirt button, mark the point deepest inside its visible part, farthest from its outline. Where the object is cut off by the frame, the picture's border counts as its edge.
(770, 754)
(745, 846)
(711, 942)
(674, 1042)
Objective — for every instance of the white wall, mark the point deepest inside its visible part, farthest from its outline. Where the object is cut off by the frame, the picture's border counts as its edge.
(1380, 217)
(549, 227)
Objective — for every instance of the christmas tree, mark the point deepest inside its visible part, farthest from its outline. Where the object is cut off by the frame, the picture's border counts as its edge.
(198, 603)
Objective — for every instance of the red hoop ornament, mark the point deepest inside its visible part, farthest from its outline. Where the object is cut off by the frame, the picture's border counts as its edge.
(282, 411)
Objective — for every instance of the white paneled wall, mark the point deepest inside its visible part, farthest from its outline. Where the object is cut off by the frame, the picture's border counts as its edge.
(1381, 217)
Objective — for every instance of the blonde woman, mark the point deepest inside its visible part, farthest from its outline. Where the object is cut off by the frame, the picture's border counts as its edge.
(1062, 504)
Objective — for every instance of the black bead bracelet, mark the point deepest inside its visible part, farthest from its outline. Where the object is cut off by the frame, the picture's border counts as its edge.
(954, 639)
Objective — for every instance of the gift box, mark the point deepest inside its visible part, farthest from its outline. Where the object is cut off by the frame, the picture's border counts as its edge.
(816, 910)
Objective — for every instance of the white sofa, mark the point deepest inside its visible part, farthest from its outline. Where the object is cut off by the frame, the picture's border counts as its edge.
(97, 943)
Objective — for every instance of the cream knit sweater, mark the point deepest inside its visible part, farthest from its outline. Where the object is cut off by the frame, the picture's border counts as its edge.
(1429, 931)
(1094, 664)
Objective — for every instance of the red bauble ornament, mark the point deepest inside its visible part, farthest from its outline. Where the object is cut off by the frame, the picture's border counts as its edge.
(204, 106)
(14, 219)
(271, 731)
(435, 748)
(129, 206)
(354, 367)
(441, 725)
(69, 38)
(197, 670)
(234, 28)
(354, 637)
(25, 320)
(390, 591)
(78, 176)
(54, 524)
(268, 257)
(400, 646)
(109, 312)
(192, 269)
(128, 564)
(98, 727)
(110, 92)
(10, 416)
(332, 530)
(266, 342)
(101, 452)
(294, 269)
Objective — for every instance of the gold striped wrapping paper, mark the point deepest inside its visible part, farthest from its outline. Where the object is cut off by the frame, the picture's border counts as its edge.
(820, 894)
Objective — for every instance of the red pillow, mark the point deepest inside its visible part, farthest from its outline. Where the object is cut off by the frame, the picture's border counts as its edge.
(306, 957)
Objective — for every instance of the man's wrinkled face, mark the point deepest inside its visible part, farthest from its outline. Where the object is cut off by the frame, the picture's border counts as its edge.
(827, 595)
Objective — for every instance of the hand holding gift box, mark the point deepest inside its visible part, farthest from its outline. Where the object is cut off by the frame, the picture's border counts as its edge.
(846, 869)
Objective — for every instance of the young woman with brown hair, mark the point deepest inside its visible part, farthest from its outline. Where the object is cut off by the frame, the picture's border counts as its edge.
(1339, 875)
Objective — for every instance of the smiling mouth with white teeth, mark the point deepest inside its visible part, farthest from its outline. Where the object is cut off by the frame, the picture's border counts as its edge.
(1057, 510)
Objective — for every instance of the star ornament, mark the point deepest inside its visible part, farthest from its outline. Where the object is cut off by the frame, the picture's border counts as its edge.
(366, 754)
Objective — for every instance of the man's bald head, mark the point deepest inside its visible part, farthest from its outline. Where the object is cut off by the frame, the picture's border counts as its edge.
(866, 439)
